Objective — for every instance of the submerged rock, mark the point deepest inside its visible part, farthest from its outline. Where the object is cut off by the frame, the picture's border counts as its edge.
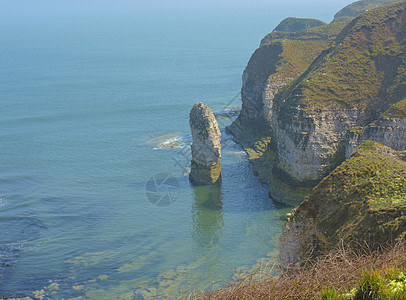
(206, 147)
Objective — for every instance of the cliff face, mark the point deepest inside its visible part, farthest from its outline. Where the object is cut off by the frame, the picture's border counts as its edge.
(361, 201)
(310, 121)
(347, 86)
(206, 147)
(282, 56)
(388, 129)
(310, 84)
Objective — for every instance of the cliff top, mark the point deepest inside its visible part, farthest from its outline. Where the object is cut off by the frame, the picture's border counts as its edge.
(325, 32)
(357, 8)
(313, 29)
(397, 110)
(368, 187)
(297, 24)
(365, 63)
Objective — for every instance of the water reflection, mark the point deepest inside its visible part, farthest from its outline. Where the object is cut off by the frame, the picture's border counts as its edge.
(207, 216)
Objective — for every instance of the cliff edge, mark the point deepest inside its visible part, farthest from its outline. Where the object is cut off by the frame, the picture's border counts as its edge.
(362, 202)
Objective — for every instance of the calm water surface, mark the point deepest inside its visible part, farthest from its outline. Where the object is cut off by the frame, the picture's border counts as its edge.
(90, 112)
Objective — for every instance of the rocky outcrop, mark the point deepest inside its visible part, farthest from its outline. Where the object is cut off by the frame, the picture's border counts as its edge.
(281, 57)
(206, 147)
(363, 201)
(298, 24)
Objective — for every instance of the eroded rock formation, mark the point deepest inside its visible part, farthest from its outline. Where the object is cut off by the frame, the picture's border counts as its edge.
(206, 147)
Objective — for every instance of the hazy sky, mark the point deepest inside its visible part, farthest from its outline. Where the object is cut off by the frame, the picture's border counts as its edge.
(65, 8)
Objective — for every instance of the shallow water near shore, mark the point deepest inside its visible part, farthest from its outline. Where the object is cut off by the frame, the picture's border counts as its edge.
(92, 113)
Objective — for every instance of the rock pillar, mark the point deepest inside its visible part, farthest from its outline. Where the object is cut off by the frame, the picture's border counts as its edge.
(206, 147)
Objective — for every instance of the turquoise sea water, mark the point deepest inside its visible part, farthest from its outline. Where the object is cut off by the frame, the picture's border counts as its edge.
(90, 112)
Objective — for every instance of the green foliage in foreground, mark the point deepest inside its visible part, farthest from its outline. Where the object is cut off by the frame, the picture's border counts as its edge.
(374, 286)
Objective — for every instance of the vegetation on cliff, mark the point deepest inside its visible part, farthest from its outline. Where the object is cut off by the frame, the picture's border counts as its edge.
(397, 110)
(357, 8)
(314, 85)
(361, 207)
(326, 32)
(363, 68)
(298, 24)
(361, 201)
(354, 65)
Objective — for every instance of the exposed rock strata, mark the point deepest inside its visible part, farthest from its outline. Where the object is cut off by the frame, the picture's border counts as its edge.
(389, 129)
(206, 147)
(309, 141)
(315, 113)
(281, 57)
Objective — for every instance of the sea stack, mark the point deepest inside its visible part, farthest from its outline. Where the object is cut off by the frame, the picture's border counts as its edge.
(206, 147)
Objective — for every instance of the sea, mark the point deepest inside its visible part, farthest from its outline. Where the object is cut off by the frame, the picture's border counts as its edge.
(95, 200)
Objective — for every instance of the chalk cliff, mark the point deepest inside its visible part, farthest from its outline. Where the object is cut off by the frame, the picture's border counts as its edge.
(350, 84)
(312, 96)
(206, 148)
(388, 129)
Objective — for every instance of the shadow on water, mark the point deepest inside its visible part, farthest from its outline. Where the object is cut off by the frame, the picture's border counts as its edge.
(207, 214)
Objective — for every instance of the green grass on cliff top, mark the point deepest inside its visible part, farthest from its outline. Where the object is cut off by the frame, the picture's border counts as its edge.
(297, 56)
(374, 175)
(365, 62)
(356, 8)
(298, 24)
(397, 110)
(325, 32)
(300, 49)
(364, 199)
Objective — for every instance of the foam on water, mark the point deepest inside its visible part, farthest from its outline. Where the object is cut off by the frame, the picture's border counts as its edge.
(3, 201)
(167, 142)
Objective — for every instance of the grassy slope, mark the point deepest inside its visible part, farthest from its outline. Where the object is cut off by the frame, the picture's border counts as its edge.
(359, 7)
(365, 62)
(298, 24)
(300, 49)
(363, 200)
(397, 110)
(325, 32)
